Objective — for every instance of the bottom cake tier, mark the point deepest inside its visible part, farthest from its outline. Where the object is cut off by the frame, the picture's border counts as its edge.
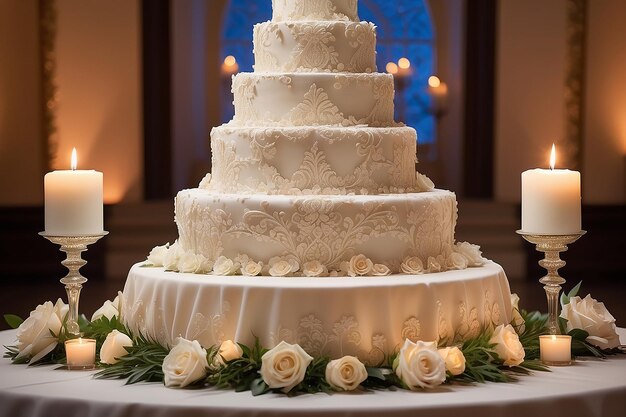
(368, 317)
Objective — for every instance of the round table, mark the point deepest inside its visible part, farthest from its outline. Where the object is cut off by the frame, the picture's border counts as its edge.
(588, 388)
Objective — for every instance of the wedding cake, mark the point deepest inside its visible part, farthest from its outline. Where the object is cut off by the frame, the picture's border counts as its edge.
(314, 226)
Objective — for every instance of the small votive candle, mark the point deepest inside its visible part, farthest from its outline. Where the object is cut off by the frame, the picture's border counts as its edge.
(556, 349)
(80, 353)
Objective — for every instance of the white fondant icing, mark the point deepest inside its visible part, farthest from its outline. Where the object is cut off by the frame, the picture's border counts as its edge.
(329, 229)
(320, 160)
(311, 99)
(315, 47)
(314, 10)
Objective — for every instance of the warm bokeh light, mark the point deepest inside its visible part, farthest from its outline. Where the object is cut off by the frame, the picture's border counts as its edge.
(553, 157)
(230, 61)
(404, 63)
(434, 81)
(74, 160)
(392, 68)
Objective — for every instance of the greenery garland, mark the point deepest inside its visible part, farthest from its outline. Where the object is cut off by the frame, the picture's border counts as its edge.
(144, 362)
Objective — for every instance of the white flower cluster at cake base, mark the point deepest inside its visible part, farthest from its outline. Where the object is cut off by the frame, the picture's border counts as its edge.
(174, 258)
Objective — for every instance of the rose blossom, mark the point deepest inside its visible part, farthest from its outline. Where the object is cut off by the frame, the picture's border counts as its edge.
(171, 257)
(314, 269)
(423, 183)
(592, 316)
(412, 265)
(33, 335)
(434, 264)
(345, 374)
(224, 266)
(456, 261)
(190, 262)
(419, 365)
(380, 270)
(251, 268)
(157, 255)
(507, 345)
(108, 309)
(284, 366)
(281, 267)
(185, 364)
(471, 252)
(454, 360)
(358, 265)
(518, 320)
(114, 347)
(228, 351)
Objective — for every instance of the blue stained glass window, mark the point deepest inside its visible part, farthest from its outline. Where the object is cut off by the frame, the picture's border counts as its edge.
(404, 29)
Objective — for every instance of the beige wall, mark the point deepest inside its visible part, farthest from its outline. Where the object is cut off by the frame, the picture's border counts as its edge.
(21, 144)
(99, 80)
(530, 95)
(605, 124)
(530, 68)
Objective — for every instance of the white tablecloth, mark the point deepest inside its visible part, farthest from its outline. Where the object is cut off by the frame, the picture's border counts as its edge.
(588, 388)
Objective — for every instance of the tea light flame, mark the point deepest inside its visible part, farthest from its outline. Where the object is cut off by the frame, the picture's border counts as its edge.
(553, 157)
(74, 161)
(434, 81)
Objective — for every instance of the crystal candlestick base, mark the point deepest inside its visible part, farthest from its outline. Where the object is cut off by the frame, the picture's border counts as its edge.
(73, 246)
(552, 246)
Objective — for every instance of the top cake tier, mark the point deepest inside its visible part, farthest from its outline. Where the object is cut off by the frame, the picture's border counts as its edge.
(290, 10)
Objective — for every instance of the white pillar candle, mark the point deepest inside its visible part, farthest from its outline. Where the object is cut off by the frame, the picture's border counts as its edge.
(551, 200)
(80, 353)
(73, 202)
(555, 349)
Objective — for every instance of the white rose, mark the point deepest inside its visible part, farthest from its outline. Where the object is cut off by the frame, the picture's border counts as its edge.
(170, 259)
(157, 255)
(229, 351)
(412, 265)
(380, 270)
(284, 366)
(251, 268)
(454, 360)
(224, 266)
(185, 364)
(34, 340)
(592, 316)
(471, 252)
(456, 261)
(358, 265)
(508, 347)
(108, 310)
(419, 365)
(314, 269)
(433, 265)
(114, 347)
(346, 373)
(423, 183)
(518, 320)
(206, 181)
(281, 267)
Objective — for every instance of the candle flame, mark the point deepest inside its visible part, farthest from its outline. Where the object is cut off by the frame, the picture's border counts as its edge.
(553, 157)
(434, 81)
(74, 162)
(392, 68)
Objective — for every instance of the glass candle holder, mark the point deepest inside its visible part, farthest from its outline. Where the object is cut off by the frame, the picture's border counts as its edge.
(555, 349)
(80, 353)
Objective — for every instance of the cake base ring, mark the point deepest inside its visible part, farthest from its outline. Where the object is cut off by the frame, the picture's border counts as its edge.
(368, 317)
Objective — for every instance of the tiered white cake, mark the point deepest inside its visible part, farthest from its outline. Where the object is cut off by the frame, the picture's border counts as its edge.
(314, 187)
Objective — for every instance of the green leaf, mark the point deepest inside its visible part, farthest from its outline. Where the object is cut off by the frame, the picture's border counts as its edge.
(13, 320)
(258, 387)
(564, 299)
(574, 291)
(579, 334)
(375, 373)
